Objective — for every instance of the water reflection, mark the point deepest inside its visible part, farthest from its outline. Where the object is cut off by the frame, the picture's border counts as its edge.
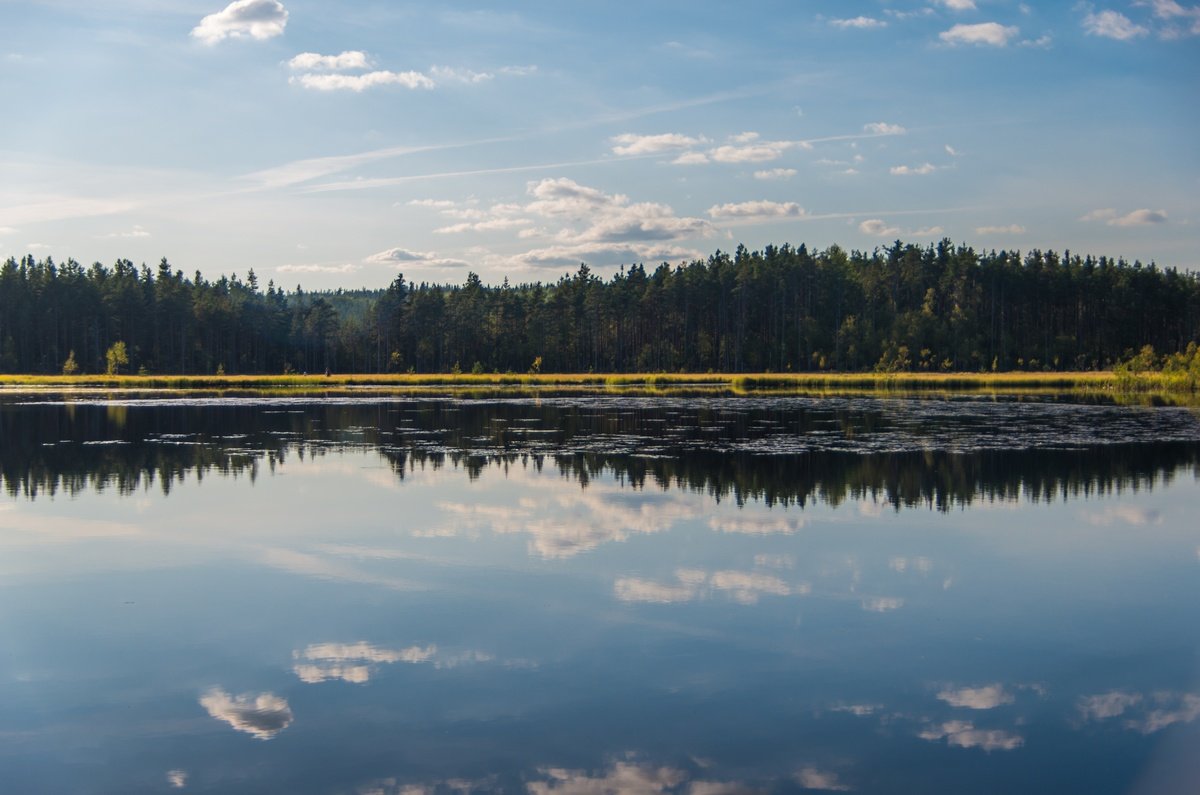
(450, 596)
(786, 451)
(263, 715)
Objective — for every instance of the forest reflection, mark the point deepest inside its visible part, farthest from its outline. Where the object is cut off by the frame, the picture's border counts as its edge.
(937, 454)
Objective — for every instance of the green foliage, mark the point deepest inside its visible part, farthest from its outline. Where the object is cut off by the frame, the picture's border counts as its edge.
(115, 358)
(70, 366)
(938, 308)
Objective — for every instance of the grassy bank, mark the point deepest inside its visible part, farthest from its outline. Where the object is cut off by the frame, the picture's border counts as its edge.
(964, 382)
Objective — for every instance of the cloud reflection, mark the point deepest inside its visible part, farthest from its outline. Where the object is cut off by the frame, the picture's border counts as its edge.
(352, 662)
(177, 778)
(745, 587)
(263, 716)
(882, 604)
(986, 697)
(624, 778)
(812, 778)
(963, 734)
(1107, 705)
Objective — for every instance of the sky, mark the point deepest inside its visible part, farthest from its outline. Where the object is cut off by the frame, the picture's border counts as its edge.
(339, 144)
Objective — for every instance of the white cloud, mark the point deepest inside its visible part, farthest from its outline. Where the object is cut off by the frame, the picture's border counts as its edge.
(1112, 25)
(928, 231)
(177, 778)
(878, 228)
(7, 230)
(632, 144)
(746, 587)
(775, 173)
(812, 778)
(1104, 214)
(262, 716)
(963, 734)
(453, 74)
(489, 225)
(1011, 229)
(1144, 217)
(757, 525)
(950, 150)
(924, 168)
(400, 256)
(690, 159)
(256, 19)
(883, 128)
(1107, 705)
(992, 34)
(986, 697)
(359, 83)
(758, 210)
(1041, 42)
(958, 5)
(862, 23)
(754, 152)
(311, 61)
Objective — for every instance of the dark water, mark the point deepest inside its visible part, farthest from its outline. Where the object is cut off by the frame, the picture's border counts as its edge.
(694, 596)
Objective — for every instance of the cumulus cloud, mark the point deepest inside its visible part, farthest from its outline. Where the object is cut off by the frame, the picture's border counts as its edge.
(352, 662)
(963, 734)
(263, 716)
(883, 128)
(775, 173)
(861, 23)
(1112, 25)
(401, 256)
(632, 144)
(924, 168)
(958, 5)
(757, 210)
(691, 159)
(360, 83)
(255, 19)
(489, 225)
(877, 228)
(454, 74)
(1011, 229)
(991, 34)
(986, 697)
(1142, 217)
(311, 61)
(754, 152)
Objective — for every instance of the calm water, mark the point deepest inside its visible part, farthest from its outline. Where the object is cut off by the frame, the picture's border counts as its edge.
(689, 596)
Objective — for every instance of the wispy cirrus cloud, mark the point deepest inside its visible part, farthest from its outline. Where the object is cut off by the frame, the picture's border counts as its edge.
(859, 23)
(254, 19)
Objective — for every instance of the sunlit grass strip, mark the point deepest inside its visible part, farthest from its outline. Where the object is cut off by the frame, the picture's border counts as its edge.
(1100, 380)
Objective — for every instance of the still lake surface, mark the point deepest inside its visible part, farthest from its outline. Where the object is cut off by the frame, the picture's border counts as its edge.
(598, 594)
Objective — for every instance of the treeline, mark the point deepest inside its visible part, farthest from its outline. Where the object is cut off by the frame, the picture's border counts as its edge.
(901, 308)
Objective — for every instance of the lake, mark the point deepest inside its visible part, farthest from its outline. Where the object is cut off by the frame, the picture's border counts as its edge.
(549, 593)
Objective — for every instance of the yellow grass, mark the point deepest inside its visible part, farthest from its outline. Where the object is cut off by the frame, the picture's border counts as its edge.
(736, 381)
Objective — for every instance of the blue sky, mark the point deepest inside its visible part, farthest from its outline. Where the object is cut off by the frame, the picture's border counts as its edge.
(336, 144)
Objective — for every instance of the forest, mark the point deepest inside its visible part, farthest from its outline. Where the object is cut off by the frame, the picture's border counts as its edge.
(904, 307)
